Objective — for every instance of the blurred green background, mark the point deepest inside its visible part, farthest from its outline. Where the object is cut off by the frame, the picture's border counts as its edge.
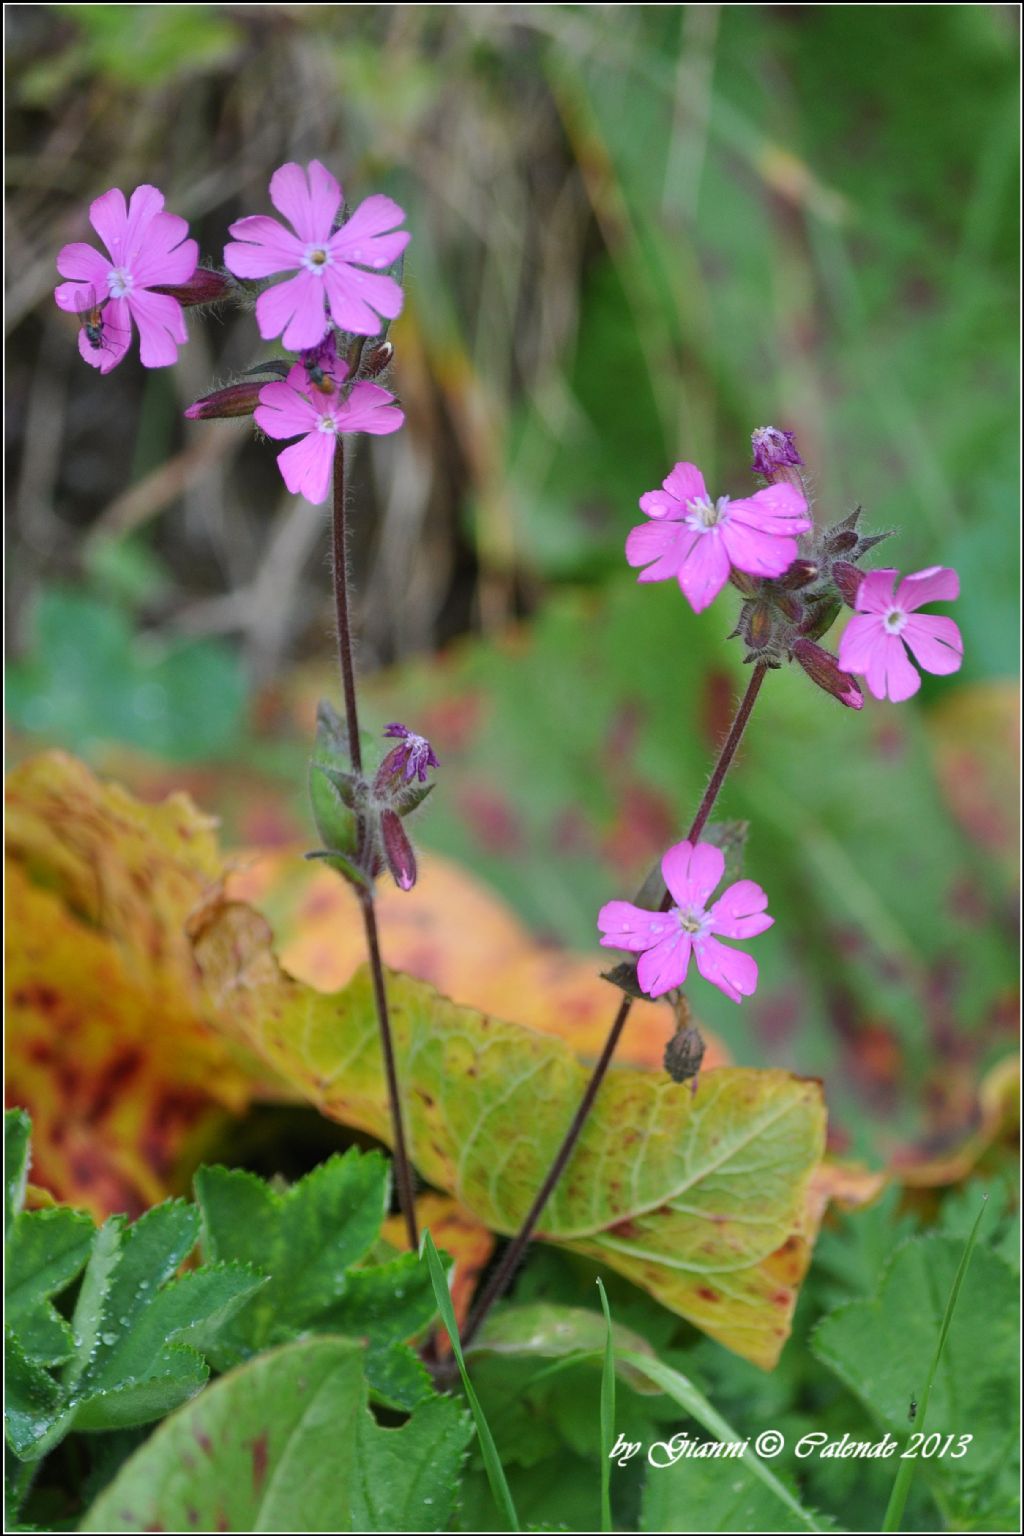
(638, 232)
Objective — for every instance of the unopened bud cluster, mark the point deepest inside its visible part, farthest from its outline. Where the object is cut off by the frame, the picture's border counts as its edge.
(361, 818)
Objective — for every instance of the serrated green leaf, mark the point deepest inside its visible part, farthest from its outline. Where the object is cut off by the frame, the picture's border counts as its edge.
(385, 1301)
(172, 1376)
(17, 1131)
(397, 1376)
(45, 1251)
(271, 1446)
(883, 1349)
(304, 1241)
(32, 1400)
(408, 1477)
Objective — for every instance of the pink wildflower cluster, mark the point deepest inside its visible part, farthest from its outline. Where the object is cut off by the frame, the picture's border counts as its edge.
(332, 281)
(793, 579)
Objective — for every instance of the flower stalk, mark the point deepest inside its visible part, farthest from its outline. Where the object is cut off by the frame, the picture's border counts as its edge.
(403, 1167)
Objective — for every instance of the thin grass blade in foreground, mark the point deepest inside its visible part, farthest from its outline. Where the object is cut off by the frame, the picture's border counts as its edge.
(488, 1449)
(607, 1415)
(905, 1472)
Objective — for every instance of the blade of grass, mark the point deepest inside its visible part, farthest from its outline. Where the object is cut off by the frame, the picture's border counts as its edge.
(607, 1414)
(905, 1469)
(682, 1390)
(488, 1449)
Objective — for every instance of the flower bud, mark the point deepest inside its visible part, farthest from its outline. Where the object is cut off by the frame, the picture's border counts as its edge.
(800, 574)
(203, 287)
(684, 1054)
(848, 579)
(376, 359)
(398, 850)
(823, 668)
(775, 455)
(234, 400)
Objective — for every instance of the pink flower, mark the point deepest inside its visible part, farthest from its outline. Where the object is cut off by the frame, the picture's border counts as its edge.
(887, 624)
(147, 249)
(697, 540)
(329, 280)
(292, 407)
(665, 939)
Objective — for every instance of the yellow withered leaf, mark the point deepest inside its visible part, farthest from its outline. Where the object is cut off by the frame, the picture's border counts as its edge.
(111, 1044)
(705, 1199)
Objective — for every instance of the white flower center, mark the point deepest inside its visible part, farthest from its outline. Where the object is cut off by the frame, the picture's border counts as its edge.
(120, 282)
(317, 258)
(326, 424)
(705, 513)
(692, 920)
(894, 621)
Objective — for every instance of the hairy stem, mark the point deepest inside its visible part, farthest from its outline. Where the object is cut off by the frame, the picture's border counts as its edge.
(403, 1168)
(510, 1259)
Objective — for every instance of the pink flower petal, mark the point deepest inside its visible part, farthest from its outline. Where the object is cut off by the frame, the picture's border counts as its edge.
(370, 409)
(778, 508)
(308, 202)
(354, 296)
(874, 594)
(864, 633)
(691, 874)
(665, 966)
(365, 237)
(146, 202)
(283, 411)
(705, 570)
(686, 483)
(108, 216)
(155, 266)
(161, 324)
(937, 584)
(739, 913)
(306, 466)
(730, 970)
(263, 247)
(664, 544)
(294, 308)
(890, 674)
(661, 504)
(625, 926)
(85, 264)
(755, 551)
(935, 642)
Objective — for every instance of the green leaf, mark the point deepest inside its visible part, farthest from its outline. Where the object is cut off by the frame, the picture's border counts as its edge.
(45, 1251)
(137, 1332)
(907, 1467)
(696, 1405)
(408, 1477)
(488, 1450)
(694, 1495)
(883, 1348)
(32, 1401)
(273, 1445)
(306, 1242)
